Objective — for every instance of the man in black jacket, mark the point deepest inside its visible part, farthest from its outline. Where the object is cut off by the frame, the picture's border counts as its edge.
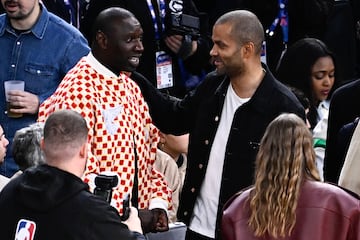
(226, 116)
(52, 202)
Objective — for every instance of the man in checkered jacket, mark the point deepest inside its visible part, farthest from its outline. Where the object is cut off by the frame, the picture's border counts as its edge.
(123, 138)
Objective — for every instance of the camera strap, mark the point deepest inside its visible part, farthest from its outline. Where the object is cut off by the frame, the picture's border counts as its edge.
(281, 19)
(135, 191)
(157, 9)
(164, 72)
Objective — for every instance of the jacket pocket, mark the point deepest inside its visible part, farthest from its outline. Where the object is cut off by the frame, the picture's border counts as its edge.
(40, 70)
(41, 79)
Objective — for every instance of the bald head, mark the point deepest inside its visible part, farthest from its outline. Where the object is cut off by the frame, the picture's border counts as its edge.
(245, 27)
(117, 42)
(107, 20)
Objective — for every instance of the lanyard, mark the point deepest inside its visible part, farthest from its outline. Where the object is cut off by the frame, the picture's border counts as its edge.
(72, 13)
(162, 17)
(282, 19)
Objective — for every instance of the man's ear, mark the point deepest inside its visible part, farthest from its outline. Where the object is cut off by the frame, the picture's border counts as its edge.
(101, 39)
(84, 150)
(248, 49)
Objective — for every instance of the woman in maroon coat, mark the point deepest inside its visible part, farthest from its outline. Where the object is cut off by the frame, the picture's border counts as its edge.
(287, 200)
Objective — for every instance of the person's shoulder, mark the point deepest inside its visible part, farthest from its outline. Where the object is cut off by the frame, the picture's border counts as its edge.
(93, 211)
(165, 164)
(95, 204)
(275, 86)
(335, 195)
(352, 87)
(238, 199)
(62, 27)
(284, 95)
(163, 159)
(349, 128)
(282, 88)
(213, 80)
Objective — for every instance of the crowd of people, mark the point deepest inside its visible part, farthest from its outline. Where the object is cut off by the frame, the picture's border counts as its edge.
(261, 138)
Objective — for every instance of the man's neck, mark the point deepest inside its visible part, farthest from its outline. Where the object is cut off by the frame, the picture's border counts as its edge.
(246, 84)
(28, 22)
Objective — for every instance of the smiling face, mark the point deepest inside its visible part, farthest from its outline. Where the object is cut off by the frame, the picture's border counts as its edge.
(226, 52)
(125, 45)
(322, 78)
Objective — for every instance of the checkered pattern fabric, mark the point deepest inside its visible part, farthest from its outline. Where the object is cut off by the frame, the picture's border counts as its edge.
(118, 121)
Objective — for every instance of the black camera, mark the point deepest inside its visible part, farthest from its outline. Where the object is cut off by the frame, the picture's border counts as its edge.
(104, 185)
(184, 24)
(126, 208)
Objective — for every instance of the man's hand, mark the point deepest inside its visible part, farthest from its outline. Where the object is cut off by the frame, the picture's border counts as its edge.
(174, 42)
(27, 102)
(183, 46)
(162, 221)
(154, 220)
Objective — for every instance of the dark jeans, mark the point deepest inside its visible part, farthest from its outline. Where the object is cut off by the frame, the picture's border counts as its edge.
(191, 235)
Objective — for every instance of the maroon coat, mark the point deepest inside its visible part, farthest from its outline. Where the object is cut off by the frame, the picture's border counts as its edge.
(324, 212)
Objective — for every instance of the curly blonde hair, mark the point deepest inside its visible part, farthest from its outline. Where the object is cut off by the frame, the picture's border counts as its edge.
(285, 158)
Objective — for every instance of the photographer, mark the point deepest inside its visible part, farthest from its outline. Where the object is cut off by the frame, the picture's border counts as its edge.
(162, 38)
(51, 201)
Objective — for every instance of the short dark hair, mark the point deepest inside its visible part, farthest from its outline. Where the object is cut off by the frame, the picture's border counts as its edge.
(246, 27)
(64, 130)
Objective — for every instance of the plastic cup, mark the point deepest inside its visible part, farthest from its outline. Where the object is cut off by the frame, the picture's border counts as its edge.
(9, 86)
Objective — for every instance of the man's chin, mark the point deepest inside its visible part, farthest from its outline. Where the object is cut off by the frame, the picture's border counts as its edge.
(131, 67)
(220, 71)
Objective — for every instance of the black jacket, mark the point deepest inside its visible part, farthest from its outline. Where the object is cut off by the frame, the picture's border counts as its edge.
(199, 114)
(344, 108)
(61, 207)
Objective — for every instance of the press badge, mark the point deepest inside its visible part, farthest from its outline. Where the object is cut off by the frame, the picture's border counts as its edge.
(164, 73)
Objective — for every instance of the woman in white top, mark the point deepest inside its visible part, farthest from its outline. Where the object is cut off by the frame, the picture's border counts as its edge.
(309, 66)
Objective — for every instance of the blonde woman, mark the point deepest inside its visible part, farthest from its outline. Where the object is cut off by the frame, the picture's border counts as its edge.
(287, 200)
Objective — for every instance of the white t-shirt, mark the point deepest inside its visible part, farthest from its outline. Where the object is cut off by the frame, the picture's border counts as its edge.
(203, 220)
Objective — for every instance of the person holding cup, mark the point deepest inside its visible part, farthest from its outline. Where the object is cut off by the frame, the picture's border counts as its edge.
(37, 48)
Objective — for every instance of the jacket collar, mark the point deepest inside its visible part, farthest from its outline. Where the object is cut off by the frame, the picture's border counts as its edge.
(262, 94)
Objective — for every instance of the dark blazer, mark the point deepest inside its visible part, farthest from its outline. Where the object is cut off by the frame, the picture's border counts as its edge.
(199, 113)
(344, 108)
(344, 138)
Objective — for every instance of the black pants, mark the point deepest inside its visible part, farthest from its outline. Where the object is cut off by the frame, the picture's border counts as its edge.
(191, 235)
